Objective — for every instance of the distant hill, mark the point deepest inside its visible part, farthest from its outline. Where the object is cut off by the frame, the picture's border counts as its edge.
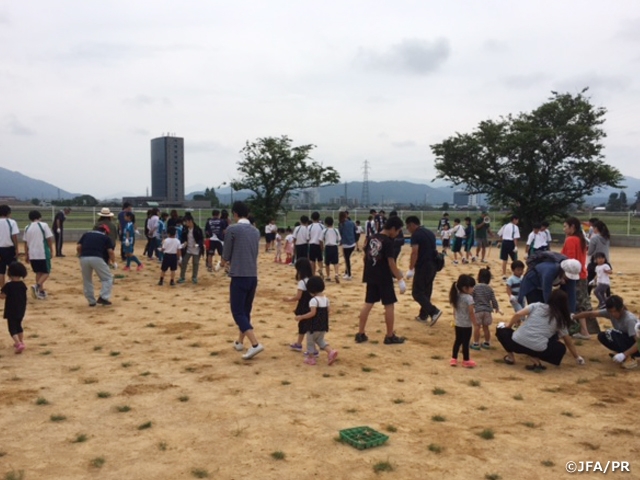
(15, 184)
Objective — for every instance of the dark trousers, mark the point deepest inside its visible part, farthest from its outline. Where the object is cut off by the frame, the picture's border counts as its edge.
(15, 326)
(615, 340)
(242, 291)
(302, 251)
(422, 289)
(59, 241)
(553, 354)
(463, 337)
(347, 259)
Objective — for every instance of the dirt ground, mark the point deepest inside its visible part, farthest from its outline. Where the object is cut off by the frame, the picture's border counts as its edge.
(151, 388)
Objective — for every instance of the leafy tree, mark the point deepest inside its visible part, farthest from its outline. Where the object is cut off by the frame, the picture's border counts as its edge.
(613, 204)
(35, 201)
(537, 163)
(273, 170)
(445, 206)
(623, 201)
(209, 194)
(79, 201)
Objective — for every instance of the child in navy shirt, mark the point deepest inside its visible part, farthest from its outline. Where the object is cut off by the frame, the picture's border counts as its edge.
(15, 303)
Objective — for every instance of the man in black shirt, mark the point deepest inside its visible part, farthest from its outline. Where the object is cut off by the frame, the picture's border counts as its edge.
(58, 229)
(95, 250)
(422, 266)
(379, 271)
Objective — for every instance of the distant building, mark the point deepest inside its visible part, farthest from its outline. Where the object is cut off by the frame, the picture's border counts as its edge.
(167, 168)
(460, 198)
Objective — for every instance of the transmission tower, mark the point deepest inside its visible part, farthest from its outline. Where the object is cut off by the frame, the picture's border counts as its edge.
(365, 185)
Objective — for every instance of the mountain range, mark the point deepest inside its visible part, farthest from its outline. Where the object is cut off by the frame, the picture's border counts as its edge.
(15, 184)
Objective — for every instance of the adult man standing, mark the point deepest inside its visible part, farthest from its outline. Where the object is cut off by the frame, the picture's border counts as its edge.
(58, 229)
(95, 250)
(241, 245)
(422, 266)
(483, 231)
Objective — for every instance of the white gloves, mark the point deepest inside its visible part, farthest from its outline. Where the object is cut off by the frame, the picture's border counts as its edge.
(410, 274)
(402, 285)
(114, 265)
(502, 325)
(127, 242)
(619, 357)
(580, 360)
(57, 230)
(217, 267)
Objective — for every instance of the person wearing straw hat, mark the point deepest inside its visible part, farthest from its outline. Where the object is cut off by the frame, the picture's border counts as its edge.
(105, 217)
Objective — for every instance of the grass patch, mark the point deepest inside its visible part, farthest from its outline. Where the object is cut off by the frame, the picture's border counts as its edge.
(97, 348)
(547, 463)
(473, 383)
(398, 401)
(567, 414)
(278, 455)
(436, 357)
(214, 354)
(126, 364)
(352, 410)
(42, 401)
(57, 418)
(400, 380)
(580, 381)
(367, 369)
(162, 446)
(285, 382)
(551, 389)
(123, 408)
(326, 375)
(114, 353)
(199, 473)
(435, 448)
(518, 397)
(438, 418)
(482, 408)
(438, 391)
(145, 374)
(184, 398)
(46, 352)
(144, 426)
(14, 475)
(97, 462)
(80, 438)
(529, 424)
(150, 325)
(75, 368)
(594, 360)
(383, 467)
(487, 434)
(492, 476)
(391, 428)
(104, 394)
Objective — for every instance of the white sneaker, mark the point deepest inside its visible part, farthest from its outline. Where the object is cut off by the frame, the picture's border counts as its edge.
(253, 351)
(217, 267)
(238, 346)
(580, 336)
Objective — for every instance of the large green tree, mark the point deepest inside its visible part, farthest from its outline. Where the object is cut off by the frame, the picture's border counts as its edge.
(537, 163)
(273, 169)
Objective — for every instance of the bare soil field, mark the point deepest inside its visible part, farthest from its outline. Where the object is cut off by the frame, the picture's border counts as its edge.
(151, 388)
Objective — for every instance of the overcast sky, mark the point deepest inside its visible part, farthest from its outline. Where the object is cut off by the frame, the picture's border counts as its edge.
(86, 85)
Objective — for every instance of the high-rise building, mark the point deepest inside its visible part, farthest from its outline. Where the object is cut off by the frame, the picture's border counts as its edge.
(167, 168)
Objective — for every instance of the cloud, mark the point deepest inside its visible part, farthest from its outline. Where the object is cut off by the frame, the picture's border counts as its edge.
(4, 19)
(100, 52)
(404, 144)
(630, 30)
(595, 82)
(141, 131)
(208, 146)
(16, 128)
(414, 56)
(142, 100)
(495, 46)
(525, 81)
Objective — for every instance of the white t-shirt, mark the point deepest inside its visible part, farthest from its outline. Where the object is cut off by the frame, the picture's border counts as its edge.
(538, 240)
(301, 234)
(270, 228)
(35, 238)
(601, 276)
(458, 231)
(278, 239)
(289, 238)
(315, 233)
(171, 245)
(445, 234)
(510, 231)
(319, 302)
(152, 225)
(331, 237)
(8, 228)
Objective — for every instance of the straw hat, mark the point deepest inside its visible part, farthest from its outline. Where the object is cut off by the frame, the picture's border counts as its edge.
(105, 212)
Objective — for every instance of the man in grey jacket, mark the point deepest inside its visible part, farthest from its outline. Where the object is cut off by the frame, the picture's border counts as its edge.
(241, 251)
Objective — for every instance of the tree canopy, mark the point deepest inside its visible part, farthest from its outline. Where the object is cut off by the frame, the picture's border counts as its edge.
(538, 163)
(209, 194)
(273, 170)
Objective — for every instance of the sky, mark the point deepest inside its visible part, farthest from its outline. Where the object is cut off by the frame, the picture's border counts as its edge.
(86, 85)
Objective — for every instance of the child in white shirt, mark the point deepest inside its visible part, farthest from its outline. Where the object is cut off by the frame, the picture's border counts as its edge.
(603, 271)
(278, 240)
(445, 234)
(171, 247)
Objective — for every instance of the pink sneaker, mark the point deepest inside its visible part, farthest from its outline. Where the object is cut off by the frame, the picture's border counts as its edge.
(469, 364)
(19, 347)
(333, 354)
(140, 267)
(310, 360)
(454, 362)
(126, 269)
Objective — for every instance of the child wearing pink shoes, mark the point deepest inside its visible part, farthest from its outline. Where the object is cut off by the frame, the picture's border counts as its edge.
(461, 300)
(319, 316)
(128, 242)
(15, 303)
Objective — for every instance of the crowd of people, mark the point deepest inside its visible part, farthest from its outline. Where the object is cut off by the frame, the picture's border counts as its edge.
(550, 294)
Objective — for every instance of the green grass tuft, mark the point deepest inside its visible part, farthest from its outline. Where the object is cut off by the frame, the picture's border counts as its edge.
(278, 455)
(144, 426)
(487, 434)
(438, 391)
(383, 467)
(438, 418)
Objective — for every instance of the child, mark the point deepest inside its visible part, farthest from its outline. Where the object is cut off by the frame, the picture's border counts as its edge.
(161, 233)
(192, 248)
(544, 228)
(461, 299)
(359, 232)
(319, 317)
(301, 236)
(330, 241)
(485, 301)
(537, 240)
(278, 241)
(603, 282)
(172, 253)
(469, 232)
(458, 238)
(38, 245)
(445, 234)
(128, 242)
(314, 233)
(303, 273)
(513, 284)
(288, 246)
(15, 303)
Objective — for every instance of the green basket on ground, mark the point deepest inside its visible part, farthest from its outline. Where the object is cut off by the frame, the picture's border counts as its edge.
(363, 437)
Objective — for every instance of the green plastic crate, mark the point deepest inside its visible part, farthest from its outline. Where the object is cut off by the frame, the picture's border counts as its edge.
(363, 437)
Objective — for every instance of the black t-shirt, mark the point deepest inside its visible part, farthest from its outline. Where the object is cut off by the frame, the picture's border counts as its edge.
(426, 241)
(58, 221)
(443, 221)
(15, 305)
(379, 250)
(95, 244)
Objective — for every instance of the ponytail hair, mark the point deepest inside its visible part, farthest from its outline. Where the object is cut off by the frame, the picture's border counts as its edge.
(464, 281)
(484, 275)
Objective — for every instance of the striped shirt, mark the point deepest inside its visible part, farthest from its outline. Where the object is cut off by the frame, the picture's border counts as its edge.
(241, 243)
(484, 298)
